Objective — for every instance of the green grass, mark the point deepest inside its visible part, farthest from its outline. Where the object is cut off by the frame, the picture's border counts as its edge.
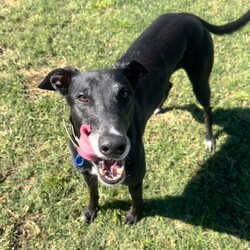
(193, 200)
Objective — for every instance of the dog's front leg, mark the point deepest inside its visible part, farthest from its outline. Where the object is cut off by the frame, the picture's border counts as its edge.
(91, 211)
(134, 213)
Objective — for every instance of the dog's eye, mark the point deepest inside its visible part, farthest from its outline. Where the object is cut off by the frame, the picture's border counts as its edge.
(82, 98)
(124, 94)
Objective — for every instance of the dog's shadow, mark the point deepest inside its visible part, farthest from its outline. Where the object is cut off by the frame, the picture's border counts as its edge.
(218, 197)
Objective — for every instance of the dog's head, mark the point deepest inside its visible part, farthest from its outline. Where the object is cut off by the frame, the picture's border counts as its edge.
(103, 102)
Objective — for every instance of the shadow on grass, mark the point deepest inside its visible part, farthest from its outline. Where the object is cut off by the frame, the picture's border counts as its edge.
(218, 197)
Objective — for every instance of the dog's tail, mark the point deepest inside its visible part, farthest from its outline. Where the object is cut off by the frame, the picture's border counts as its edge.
(229, 27)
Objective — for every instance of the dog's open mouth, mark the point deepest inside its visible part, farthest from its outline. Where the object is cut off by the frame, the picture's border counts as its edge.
(111, 171)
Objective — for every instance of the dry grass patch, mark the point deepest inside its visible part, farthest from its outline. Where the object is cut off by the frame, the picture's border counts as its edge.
(11, 3)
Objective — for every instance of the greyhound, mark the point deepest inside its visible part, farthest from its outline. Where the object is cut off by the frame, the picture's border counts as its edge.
(109, 108)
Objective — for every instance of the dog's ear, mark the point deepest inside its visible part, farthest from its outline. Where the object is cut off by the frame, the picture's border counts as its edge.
(134, 71)
(59, 79)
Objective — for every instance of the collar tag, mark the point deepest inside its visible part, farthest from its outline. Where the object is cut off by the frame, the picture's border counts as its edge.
(79, 161)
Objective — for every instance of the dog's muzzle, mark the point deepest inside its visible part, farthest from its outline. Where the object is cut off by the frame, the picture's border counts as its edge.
(110, 162)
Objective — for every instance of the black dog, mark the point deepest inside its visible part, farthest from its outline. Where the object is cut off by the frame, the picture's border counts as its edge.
(118, 102)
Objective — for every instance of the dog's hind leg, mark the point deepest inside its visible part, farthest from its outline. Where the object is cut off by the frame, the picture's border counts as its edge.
(198, 70)
(199, 77)
(202, 92)
(168, 88)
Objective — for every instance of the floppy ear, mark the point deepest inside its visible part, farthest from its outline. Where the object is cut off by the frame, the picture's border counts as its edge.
(134, 71)
(59, 79)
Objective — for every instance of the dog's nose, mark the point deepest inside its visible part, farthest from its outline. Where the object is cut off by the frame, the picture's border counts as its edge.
(112, 145)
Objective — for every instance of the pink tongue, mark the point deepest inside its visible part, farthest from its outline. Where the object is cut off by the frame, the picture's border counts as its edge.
(85, 150)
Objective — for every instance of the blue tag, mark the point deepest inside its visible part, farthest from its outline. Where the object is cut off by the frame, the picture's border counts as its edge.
(79, 161)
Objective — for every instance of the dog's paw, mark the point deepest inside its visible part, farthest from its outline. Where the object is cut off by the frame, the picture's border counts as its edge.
(210, 144)
(131, 218)
(90, 214)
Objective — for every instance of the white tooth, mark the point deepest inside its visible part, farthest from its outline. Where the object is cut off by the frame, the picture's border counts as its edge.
(101, 171)
(119, 171)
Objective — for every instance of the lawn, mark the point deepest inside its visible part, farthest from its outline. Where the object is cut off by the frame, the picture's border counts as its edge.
(193, 200)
